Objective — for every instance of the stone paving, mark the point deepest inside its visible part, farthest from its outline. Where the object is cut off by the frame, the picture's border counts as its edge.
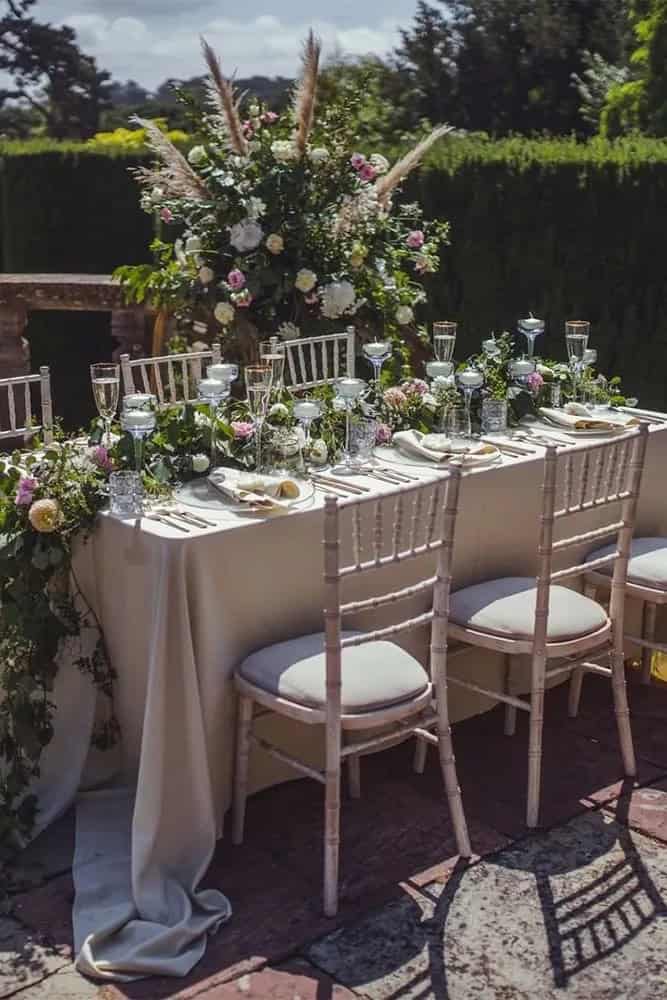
(578, 910)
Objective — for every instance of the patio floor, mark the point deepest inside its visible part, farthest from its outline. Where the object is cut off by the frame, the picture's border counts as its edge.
(575, 910)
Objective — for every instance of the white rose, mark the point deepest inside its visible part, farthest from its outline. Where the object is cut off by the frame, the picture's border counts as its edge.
(319, 155)
(284, 151)
(179, 253)
(197, 156)
(319, 452)
(404, 315)
(245, 235)
(305, 280)
(200, 463)
(192, 244)
(255, 208)
(380, 163)
(275, 243)
(224, 313)
(279, 410)
(337, 298)
(206, 275)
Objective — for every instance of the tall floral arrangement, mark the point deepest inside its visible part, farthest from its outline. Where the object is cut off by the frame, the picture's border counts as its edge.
(279, 224)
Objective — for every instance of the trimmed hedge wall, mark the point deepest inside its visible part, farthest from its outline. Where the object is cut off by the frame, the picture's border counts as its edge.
(562, 228)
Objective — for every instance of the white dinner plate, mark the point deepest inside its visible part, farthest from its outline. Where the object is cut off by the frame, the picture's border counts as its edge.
(200, 493)
(392, 455)
(573, 432)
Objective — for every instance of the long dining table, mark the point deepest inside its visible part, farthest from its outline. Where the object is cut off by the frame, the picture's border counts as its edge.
(180, 610)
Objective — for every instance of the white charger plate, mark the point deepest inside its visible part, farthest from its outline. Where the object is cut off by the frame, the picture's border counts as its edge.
(200, 493)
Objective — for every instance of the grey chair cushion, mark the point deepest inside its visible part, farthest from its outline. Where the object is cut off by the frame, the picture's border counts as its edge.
(375, 675)
(506, 607)
(648, 562)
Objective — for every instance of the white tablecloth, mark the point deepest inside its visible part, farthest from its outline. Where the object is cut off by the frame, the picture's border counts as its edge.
(179, 613)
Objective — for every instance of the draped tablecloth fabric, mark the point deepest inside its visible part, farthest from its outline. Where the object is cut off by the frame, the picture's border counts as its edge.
(179, 613)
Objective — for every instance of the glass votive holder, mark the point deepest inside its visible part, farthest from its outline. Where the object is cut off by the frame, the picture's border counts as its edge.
(126, 494)
(494, 415)
(456, 424)
(554, 395)
(286, 454)
(363, 433)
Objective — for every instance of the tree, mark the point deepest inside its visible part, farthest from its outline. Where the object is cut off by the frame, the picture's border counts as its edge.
(641, 102)
(426, 61)
(50, 74)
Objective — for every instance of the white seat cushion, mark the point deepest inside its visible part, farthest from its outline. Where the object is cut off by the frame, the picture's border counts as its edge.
(374, 675)
(506, 607)
(648, 562)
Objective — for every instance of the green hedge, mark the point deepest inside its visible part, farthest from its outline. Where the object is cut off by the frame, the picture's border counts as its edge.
(563, 228)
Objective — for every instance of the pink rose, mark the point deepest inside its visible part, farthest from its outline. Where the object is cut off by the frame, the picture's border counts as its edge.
(269, 117)
(535, 382)
(236, 279)
(415, 239)
(243, 429)
(27, 486)
(166, 215)
(383, 434)
(368, 172)
(357, 160)
(394, 397)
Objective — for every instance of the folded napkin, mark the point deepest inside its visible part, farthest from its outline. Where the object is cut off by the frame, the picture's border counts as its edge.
(576, 417)
(257, 491)
(438, 448)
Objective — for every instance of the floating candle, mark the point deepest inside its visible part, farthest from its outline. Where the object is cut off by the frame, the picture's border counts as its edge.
(223, 372)
(211, 388)
(521, 367)
(470, 378)
(138, 401)
(377, 348)
(350, 388)
(305, 409)
(531, 325)
(137, 420)
(439, 369)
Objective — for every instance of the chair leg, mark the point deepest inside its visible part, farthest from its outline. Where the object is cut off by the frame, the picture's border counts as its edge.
(448, 766)
(243, 728)
(331, 836)
(649, 614)
(419, 761)
(576, 680)
(623, 713)
(354, 776)
(510, 710)
(535, 741)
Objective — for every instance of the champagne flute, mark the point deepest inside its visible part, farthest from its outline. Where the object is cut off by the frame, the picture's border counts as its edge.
(444, 340)
(258, 382)
(105, 379)
(272, 353)
(577, 333)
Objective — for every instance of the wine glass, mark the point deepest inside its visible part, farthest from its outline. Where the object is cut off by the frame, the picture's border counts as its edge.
(377, 352)
(577, 333)
(138, 419)
(212, 391)
(531, 328)
(444, 340)
(258, 383)
(105, 380)
(305, 411)
(469, 380)
(272, 353)
(348, 390)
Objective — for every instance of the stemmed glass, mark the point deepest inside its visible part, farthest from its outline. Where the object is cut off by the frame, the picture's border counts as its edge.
(377, 352)
(258, 382)
(272, 353)
(577, 333)
(212, 391)
(305, 411)
(469, 380)
(348, 390)
(106, 390)
(138, 419)
(531, 328)
(444, 340)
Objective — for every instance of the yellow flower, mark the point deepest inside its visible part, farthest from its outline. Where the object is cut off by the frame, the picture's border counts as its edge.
(275, 243)
(305, 280)
(45, 515)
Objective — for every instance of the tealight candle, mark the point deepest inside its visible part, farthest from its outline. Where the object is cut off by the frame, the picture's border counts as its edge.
(350, 388)
(521, 367)
(222, 372)
(471, 378)
(439, 369)
(306, 410)
(531, 325)
(377, 348)
(138, 401)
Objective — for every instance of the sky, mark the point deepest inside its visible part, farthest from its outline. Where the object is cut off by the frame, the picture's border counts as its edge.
(150, 40)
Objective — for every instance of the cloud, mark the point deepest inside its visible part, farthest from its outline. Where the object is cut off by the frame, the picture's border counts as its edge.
(150, 49)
